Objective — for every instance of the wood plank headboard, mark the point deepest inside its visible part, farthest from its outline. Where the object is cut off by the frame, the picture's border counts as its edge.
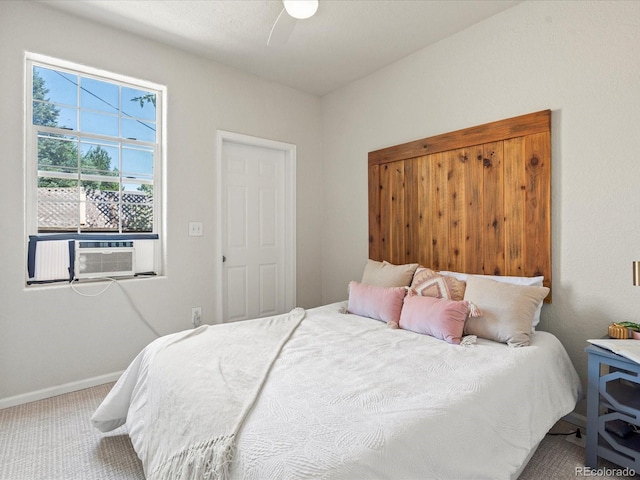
(476, 200)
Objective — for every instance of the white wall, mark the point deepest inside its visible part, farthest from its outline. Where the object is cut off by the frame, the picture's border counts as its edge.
(579, 59)
(50, 336)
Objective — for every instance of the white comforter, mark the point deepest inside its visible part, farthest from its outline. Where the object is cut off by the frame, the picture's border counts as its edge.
(349, 398)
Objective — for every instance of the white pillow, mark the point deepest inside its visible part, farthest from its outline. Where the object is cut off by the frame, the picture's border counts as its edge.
(527, 281)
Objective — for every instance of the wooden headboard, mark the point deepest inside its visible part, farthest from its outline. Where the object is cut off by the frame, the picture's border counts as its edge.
(476, 200)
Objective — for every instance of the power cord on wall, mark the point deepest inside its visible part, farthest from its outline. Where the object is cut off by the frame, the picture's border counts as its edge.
(111, 282)
(126, 294)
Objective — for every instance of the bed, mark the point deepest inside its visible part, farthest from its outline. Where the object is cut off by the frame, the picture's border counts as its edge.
(348, 397)
(421, 373)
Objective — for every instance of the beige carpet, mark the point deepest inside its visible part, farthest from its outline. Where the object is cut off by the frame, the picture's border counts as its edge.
(52, 439)
(558, 459)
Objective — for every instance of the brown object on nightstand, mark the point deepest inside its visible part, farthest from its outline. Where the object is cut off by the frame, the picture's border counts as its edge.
(618, 331)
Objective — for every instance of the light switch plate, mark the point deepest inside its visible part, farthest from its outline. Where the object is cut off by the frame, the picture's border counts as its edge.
(195, 229)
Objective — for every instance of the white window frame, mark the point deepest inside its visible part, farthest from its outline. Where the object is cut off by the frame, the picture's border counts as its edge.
(31, 145)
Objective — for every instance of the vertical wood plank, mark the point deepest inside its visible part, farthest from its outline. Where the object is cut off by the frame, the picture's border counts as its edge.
(473, 205)
(537, 150)
(514, 202)
(375, 251)
(440, 212)
(493, 209)
(456, 181)
(398, 219)
(412, 211)
(392, 212)
(385, 211)
(425, 215)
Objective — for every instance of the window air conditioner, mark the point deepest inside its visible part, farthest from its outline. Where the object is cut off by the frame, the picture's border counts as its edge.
(100, 259)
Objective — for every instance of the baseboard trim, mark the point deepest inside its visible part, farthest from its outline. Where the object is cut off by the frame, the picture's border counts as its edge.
(58, 390)
(576, 419)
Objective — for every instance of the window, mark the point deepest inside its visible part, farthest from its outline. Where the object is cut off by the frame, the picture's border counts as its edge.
(93, 152)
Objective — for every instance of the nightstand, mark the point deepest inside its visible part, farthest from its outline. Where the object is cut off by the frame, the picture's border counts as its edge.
(613, 409)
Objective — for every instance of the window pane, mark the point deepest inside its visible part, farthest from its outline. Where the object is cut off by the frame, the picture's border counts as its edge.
(137, 162)
(58, 208)
(138, 130)
(100, 208)
(57, 154)
(67, 118)
(99, 123)
(99, 158)
(137, 208)
(140, 192)
(138, 103)
(55, 87)
(49, 115)
(100, 182)
(97, 95)
(137, 218)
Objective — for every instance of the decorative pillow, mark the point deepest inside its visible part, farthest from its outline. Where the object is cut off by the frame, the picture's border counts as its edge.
(428, 283)
(379, 303)
(536, 281)
(385, 274)
(437, 317)
(508, 310)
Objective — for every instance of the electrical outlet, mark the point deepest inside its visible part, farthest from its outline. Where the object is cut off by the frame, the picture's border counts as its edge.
(196, 316)
(581, 442)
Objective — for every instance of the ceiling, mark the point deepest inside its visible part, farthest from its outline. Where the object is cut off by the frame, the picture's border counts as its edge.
(344, 41)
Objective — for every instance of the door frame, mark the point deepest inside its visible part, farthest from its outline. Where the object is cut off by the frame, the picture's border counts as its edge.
(289, 151)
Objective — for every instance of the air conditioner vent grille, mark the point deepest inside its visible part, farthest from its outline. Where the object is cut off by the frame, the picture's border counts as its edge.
(97, 260)
(99, 244)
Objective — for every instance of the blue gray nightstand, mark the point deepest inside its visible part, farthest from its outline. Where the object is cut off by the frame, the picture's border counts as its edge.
(613, 409)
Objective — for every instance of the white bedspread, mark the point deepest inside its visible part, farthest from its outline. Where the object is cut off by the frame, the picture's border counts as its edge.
(190, 393)
(350, 398)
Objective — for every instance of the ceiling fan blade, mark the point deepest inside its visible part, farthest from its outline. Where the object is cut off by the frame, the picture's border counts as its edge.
(282, 29)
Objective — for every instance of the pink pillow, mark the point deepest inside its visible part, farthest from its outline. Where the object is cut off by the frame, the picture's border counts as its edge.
(380, 303)
(437, 317)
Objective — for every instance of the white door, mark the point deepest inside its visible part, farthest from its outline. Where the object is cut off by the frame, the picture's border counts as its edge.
(256, 228)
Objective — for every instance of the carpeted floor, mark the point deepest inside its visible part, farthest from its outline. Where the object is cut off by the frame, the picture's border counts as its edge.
(52, 439)
(558, 459)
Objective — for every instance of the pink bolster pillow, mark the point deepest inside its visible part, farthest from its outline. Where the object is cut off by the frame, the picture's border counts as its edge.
(379, 303)
(437, 317)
